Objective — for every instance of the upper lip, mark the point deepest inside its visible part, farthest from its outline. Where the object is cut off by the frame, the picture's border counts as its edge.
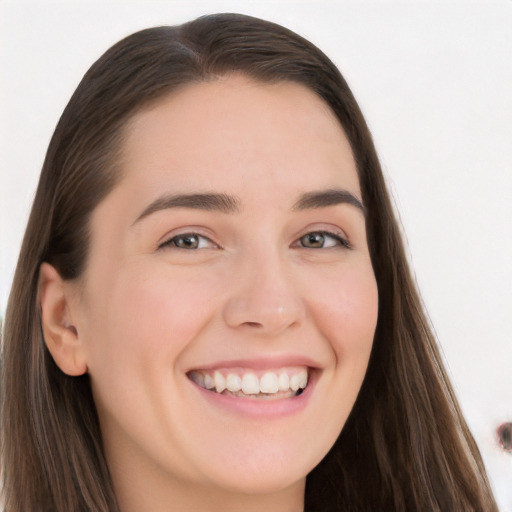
(260, 363)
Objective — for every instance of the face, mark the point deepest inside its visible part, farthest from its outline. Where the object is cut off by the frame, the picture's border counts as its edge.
(228, 307)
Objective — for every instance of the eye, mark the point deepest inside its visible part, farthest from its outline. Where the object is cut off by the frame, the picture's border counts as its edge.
(322, 240)
(188, 241)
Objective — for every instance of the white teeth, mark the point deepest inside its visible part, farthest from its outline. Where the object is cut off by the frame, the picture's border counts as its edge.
(269, 383)
(220, 382)
(284, 382)
(208, 381)
(299, 380)
(303, 379)
(294, 382)
(250, 384)
(233, 383)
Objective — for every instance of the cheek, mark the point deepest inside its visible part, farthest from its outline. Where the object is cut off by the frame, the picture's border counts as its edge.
(347, 312)
(142, 315)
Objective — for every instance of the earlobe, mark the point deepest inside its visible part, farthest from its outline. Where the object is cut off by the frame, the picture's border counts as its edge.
(60, 334)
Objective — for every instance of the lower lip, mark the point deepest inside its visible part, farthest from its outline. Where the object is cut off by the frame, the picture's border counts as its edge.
(256, 407)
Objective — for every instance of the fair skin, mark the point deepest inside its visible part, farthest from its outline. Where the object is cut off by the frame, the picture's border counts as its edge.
(267, 275)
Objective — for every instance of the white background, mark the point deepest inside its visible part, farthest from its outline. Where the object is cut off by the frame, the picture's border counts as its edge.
(434, 80)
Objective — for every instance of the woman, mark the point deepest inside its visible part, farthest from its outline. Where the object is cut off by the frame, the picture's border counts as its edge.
(212, 308)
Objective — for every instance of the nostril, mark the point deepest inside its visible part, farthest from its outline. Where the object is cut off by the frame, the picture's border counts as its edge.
(253, 324)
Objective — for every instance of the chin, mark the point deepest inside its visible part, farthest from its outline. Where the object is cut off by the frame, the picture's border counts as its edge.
(265, 471)
(260, 482)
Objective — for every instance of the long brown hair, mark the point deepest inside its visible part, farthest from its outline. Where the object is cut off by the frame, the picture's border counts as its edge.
(405, 445)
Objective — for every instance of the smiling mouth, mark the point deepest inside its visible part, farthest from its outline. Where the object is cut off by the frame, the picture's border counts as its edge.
(268, 385)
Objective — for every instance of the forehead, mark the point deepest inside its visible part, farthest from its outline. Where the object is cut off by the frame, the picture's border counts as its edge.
(232, 130)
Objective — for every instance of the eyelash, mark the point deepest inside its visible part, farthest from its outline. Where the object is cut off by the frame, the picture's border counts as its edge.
(173, 242)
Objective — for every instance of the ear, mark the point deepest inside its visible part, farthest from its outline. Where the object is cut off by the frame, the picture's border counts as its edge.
(60, 334)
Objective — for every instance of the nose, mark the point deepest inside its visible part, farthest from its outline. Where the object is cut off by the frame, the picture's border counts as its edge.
(265, 298)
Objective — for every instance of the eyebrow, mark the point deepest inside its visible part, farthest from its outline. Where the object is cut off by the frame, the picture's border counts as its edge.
(223, 203)
(330, 197)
